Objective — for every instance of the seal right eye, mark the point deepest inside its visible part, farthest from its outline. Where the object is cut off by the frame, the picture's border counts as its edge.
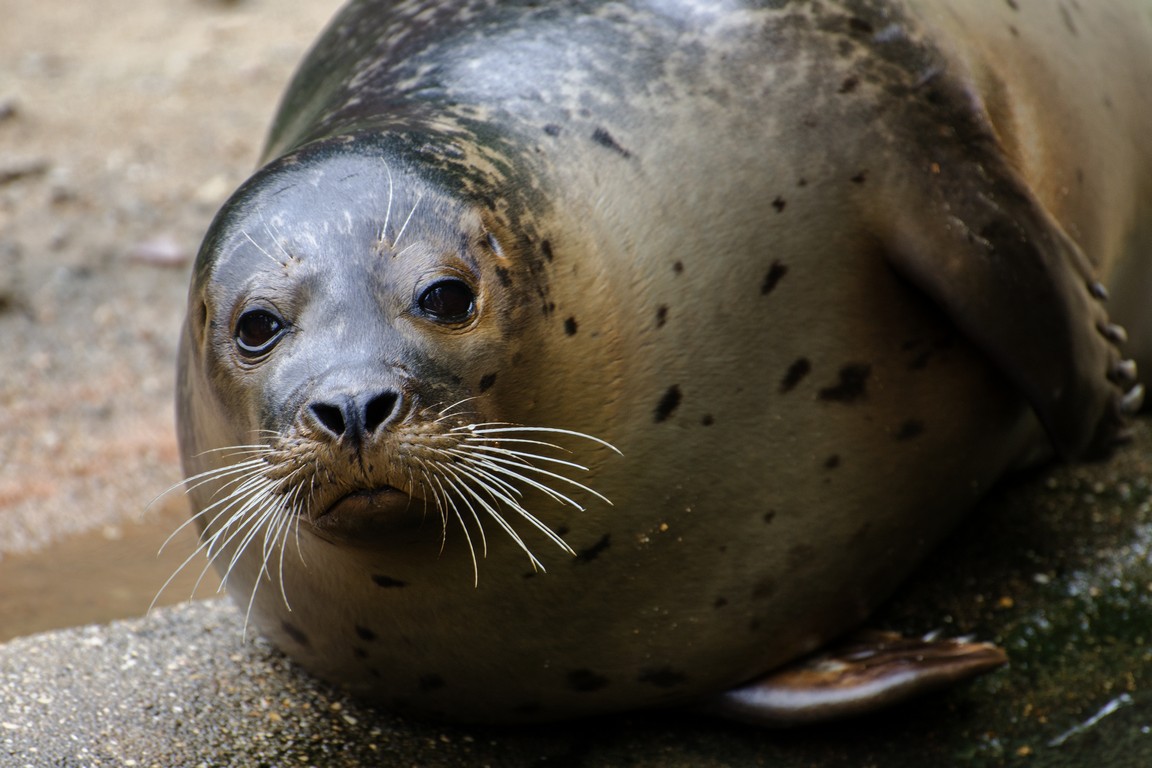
(449, 301)
(257, 331)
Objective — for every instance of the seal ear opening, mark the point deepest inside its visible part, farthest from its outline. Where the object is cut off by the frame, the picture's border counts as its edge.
(987, 252)
(199, 321)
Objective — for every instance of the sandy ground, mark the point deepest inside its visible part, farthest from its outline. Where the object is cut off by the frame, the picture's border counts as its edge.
(124, 125)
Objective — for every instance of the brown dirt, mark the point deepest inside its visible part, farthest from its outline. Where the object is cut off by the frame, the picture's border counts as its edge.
(124, 125)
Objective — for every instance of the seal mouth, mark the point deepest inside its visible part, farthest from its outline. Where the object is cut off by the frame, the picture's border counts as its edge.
(368, 514)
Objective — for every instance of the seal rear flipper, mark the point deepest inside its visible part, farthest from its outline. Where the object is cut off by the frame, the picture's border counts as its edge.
(973, 237)
(872, 670)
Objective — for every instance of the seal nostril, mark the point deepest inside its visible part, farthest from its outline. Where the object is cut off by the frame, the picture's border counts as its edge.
(330, 417)
(379, 409)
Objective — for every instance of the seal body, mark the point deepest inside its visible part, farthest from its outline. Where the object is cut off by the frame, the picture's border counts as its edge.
(790, 285)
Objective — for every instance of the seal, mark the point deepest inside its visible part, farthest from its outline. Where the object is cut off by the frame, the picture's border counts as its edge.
(572, 358)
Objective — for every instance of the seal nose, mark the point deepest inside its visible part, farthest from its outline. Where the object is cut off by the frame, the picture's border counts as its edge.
(354, 418)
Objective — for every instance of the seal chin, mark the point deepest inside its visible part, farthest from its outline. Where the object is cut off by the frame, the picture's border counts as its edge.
(367, 516)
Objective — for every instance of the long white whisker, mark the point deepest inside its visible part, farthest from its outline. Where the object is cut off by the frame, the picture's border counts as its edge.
(488, 480)
(501, 466)
(388, 206)
(246, 490)
(400, 234)
(522, 455)
(446, 413)
(464, 528)
(496, 428)
(210, 474)
(481, 478)
(261, 249)
(275, 238)
(455, 484)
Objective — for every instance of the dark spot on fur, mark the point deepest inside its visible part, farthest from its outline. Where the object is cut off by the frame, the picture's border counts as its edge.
(764, 588)
(851, 387)
(530, 575)
(802, 183)
(505, 277)
(662, 677)
(586, 681)
(431, 682)
(561, 530)
(678, 267)
(775, 272)
(360, 653)
(754, 625)
(800, 555)
(546, 249)
(1012, 4)
(910, 429)
(861, 533)
(295, 633)
(593, 552)
(796, 373)
(487, 381)
(860, 26)
(707, 420)
(769, 516)
(860, 178)
(387, 581)
(668, 404)
(604, 139)
(1068, 23)
(365, 634)
(850, 83)
(552, 129)
(661, 316)
(920, 362)
(779, 204)
(570, 326)
(720, 602)
(832, 462)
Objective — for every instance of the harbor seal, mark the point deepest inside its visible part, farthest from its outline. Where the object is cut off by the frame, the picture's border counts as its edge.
(572, 358)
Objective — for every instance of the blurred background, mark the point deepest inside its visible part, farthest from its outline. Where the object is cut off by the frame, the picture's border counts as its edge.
(124, 125)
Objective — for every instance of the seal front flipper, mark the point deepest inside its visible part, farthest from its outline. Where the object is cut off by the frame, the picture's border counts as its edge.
(971, 235)
(870, 671)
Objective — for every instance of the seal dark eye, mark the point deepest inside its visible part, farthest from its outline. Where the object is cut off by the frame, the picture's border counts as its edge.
(449, 301)
(257, 331)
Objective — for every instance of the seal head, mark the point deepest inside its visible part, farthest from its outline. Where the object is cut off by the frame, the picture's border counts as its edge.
(360, 315)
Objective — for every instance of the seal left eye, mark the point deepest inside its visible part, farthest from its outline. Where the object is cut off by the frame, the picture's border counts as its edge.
(257, 331)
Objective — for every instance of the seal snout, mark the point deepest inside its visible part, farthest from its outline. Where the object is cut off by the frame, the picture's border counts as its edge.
(354, 418)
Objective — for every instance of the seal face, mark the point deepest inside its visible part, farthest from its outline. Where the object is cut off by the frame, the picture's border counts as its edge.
(622, 362)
